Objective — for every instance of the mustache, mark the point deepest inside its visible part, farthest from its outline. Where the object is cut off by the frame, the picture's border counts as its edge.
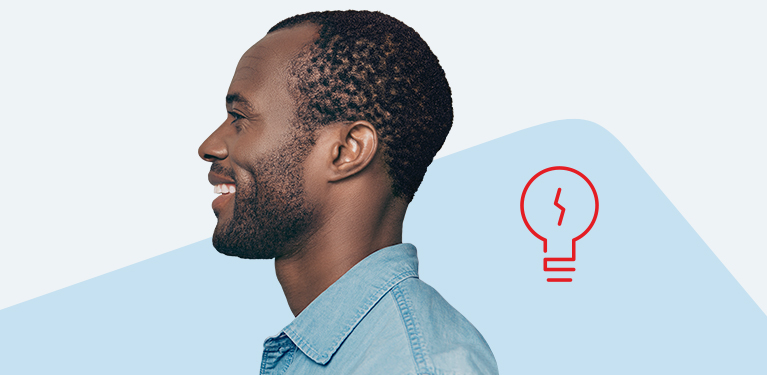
(219, 169)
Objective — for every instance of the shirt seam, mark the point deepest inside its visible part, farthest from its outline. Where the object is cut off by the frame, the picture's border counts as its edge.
(418, 345)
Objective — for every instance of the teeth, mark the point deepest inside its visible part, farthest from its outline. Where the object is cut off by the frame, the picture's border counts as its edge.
(223, 189)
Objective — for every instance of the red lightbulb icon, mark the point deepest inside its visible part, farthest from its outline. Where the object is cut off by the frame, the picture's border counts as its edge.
(562, 209)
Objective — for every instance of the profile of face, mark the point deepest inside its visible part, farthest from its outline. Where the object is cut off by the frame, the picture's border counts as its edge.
(257, 155)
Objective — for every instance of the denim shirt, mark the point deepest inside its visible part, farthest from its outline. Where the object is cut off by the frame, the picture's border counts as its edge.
(379, 318)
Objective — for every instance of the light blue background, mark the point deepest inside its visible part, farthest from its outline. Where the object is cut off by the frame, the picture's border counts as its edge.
(648, 295)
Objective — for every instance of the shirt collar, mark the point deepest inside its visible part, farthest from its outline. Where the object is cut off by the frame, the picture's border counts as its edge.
(319, 330)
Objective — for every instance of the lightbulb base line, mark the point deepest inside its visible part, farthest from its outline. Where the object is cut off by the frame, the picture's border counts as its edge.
(559, 280)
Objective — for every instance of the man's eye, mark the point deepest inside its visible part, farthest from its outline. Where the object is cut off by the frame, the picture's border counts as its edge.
(236, 116)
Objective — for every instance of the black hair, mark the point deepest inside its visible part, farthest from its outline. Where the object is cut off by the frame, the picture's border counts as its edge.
(370, 66)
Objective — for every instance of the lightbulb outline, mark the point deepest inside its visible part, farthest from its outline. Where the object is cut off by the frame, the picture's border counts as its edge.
(575, 239)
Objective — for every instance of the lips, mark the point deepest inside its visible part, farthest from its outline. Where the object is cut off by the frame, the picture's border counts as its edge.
(219, 179)
(220, 202)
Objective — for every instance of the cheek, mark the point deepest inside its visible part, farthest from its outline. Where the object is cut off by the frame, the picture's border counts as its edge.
(315, 180)
(244, 157)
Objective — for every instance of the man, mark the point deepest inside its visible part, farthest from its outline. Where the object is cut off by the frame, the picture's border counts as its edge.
(333, 120)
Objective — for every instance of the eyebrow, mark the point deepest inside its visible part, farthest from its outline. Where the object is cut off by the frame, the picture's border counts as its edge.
(237, 98)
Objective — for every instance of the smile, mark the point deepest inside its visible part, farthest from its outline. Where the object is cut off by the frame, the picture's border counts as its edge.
(220, 202)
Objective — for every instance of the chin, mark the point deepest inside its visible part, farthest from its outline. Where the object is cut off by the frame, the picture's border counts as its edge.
(245, 248)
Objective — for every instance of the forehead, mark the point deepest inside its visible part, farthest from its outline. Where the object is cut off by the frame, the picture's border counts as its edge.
(263, 65)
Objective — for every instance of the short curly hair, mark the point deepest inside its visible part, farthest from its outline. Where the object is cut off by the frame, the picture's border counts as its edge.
(371, 66)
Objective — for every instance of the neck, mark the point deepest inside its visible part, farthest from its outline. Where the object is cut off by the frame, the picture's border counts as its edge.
(354, 229)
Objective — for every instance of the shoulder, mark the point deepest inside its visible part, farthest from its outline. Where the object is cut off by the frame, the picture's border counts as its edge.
(412, 330)
(442, 341)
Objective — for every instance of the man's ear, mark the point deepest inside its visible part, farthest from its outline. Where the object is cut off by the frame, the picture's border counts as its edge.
(353, 150)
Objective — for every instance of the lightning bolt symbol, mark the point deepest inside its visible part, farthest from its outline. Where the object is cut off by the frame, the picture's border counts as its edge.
(556, 203)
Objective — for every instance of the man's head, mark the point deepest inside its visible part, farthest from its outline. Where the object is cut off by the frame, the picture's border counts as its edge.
(370, 66)
(362, 77)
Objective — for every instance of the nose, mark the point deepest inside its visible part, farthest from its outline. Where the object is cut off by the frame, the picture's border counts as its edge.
(213, 148)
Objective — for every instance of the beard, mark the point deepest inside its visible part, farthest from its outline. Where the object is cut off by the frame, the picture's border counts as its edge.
(271, 215)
